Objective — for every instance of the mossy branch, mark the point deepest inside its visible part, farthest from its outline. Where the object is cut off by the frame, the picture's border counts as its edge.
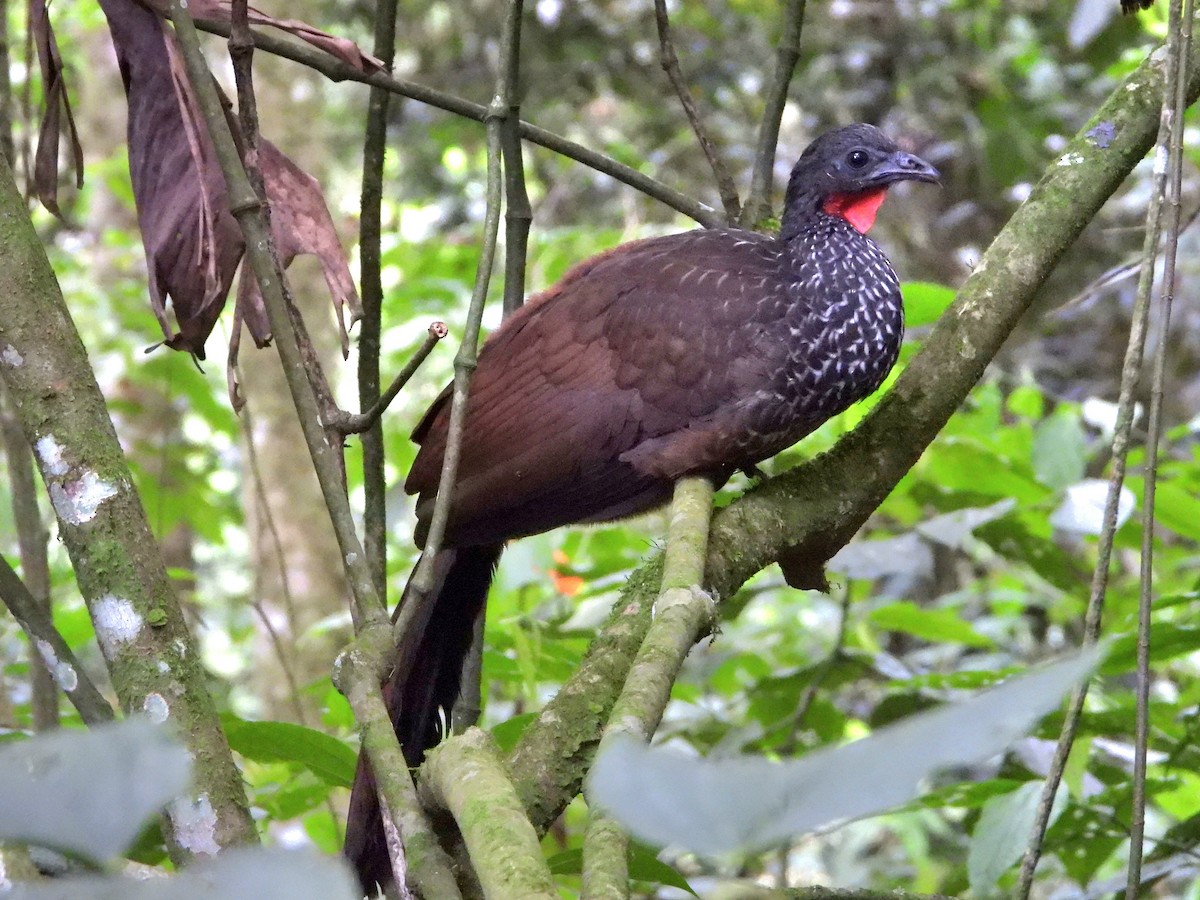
(151, 658)
(681, 613)
(465, 775)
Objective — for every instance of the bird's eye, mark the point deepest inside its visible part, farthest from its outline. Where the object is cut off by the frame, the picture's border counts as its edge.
(857, 158)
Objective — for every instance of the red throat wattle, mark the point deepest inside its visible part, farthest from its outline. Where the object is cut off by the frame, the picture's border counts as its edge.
(857, 209)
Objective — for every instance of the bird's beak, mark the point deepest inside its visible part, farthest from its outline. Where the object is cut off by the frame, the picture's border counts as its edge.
(901, 166)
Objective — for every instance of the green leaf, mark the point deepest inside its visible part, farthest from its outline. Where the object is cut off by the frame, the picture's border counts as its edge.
(1059, 449)
(325, 756)
(1175, 508)
(1167, 641)
(508, 732)
(938, 625)
(644, 865)
(1002, 833)
(924, 302)
(958, 464)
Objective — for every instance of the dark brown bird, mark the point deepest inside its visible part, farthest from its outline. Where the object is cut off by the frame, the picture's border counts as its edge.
(695, 353)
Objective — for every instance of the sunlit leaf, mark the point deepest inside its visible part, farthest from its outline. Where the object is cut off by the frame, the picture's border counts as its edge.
(928, 624)
(325, 756)
(924, 302)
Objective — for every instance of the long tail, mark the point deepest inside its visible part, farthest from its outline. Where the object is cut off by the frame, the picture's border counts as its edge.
(462, 578)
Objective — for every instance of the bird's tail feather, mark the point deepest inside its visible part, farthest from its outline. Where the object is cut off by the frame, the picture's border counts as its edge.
(418, 691)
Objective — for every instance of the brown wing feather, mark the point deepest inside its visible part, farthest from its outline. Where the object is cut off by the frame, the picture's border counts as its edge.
(612, 359)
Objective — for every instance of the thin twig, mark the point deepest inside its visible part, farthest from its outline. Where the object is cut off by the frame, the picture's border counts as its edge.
(338, 70)
(363, 423)
(670, 64)
(247, 209)
(32, 539)
(241, 52)
(1174, 107)
(370, 236)
(1130, 377)
(518, 215)
(1115, 275)
(285, 588)
(7, 148)
(787, 54)
(36, 622)
(465, 359)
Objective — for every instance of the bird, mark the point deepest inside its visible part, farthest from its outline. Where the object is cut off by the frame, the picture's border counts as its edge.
(698, 353)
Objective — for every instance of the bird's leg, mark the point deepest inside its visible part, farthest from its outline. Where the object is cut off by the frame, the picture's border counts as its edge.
(754, 473)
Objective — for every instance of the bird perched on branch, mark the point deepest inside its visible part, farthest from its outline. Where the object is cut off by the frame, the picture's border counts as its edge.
(692, 354)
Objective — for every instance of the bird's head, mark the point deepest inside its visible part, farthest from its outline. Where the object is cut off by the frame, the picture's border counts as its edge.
(847, 172)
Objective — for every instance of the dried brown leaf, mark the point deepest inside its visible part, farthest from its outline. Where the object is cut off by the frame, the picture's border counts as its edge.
(300, 223)
(193, 244)
(57, 106)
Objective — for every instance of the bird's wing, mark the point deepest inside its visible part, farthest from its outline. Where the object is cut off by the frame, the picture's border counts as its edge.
(655, 345)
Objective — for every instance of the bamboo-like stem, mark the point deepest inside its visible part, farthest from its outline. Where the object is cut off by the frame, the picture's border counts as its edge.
(518, 215)
(468, 351)
(1131, 372)
(681, 613)
(362, 667)
(247, 209)
(466, 776)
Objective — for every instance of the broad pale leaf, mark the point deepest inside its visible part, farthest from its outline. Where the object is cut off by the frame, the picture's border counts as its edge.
(716, 806)
(89, 792)
(239, 874)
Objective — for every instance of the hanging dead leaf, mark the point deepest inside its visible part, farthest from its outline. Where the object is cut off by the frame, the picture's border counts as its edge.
(300, 223)
(57, 109)
(192, 241)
